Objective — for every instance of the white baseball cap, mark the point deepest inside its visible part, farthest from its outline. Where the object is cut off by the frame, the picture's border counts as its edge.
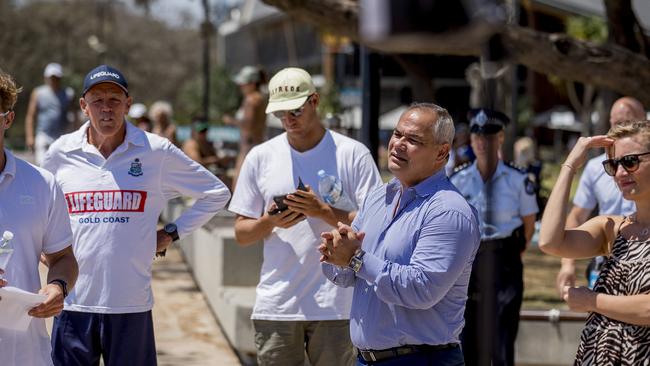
(247, 74)
(137, 110)
(53, 69)
(289, 89)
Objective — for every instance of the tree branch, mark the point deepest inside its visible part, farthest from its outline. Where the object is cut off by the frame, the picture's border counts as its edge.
(608, 65)
(624, 27)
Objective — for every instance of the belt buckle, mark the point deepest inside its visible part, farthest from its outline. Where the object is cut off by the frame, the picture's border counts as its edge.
(372, 356)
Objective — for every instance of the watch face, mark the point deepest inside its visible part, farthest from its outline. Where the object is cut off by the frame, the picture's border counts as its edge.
(170, 228)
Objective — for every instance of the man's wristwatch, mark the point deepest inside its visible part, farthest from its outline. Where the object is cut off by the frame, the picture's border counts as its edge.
(357, 260)
(63, 284)
(171, 230)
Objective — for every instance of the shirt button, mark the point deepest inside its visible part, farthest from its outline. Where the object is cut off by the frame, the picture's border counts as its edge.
(365, 290)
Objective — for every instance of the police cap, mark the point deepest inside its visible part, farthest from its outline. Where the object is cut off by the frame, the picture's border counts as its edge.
(486, 121)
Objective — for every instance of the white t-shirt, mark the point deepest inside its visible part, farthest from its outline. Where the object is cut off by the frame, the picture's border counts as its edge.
(598, 188)
(292, 286)
(114, 205)
(33, 208)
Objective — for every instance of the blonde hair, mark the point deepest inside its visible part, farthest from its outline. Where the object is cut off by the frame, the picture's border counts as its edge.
(524, 150)
(160, 107)
(8, 92)
(639, 128)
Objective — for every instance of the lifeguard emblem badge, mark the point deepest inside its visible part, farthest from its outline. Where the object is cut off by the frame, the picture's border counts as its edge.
(136, 168)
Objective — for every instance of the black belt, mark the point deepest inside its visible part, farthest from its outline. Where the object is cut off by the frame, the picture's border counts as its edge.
(384, 354)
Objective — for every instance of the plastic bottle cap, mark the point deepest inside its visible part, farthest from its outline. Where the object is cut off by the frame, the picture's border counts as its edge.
(7, 235)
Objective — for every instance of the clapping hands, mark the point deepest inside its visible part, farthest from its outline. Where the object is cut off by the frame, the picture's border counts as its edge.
(339, 245)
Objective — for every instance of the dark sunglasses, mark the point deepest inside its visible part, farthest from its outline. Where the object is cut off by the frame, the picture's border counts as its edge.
(629, 162)
(295, 113)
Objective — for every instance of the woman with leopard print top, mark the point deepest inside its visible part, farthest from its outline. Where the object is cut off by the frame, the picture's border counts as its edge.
(618, 327)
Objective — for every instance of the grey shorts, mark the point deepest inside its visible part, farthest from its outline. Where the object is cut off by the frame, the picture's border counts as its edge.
(286, 343)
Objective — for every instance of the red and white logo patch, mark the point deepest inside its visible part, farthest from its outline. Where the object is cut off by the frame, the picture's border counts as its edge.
(106, 201)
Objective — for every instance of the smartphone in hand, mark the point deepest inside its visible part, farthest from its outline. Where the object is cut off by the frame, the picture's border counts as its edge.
(301, 185)
(279, 200)
(279, 203)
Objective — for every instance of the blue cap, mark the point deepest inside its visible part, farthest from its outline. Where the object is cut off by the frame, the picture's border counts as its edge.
(105, 74)
(486, 121)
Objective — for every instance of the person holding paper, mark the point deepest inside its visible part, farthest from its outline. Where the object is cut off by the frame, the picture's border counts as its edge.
(32, 207)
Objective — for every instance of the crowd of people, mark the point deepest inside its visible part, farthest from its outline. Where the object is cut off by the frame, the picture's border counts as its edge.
(425, 269)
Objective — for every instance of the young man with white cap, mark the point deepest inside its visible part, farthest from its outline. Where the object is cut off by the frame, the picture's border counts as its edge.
(117, 179)
(297, 309)
(33, 209)
(47, 112)
(250, 118)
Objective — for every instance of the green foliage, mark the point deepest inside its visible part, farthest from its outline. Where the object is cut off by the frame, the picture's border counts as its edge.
(525, 114)
(330, 101)
(592, 28)
(156, 59)
(225, 96)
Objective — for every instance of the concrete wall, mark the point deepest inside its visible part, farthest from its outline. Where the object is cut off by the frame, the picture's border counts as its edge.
(227, 275)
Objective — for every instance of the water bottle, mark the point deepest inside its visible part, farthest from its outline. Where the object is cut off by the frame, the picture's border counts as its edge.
(6, 249)
(594, 270)
(331, 190)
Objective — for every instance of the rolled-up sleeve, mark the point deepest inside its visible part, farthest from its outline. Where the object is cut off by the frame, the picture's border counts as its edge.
(447, 242)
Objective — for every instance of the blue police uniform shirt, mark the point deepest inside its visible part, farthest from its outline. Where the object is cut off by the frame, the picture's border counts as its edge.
(598, 188)
(412, 286)
(513, 197)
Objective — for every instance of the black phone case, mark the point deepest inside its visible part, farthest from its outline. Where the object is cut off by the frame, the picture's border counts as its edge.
(301, 185)
(279, 202)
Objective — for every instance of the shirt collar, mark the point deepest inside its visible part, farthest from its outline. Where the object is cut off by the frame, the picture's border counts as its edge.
(79, 138)
(422, 189)
(10, 165)
(500, 170)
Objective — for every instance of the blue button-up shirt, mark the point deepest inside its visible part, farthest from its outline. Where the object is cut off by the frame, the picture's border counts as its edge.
(412, 286)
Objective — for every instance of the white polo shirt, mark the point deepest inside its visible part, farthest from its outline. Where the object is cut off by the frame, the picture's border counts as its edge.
(114, 205)
(33, 208)
(292, 287)
(596, 188)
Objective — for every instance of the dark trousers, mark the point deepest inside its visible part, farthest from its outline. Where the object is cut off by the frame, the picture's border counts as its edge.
(121, 339)
(443, 357)
(497, 309)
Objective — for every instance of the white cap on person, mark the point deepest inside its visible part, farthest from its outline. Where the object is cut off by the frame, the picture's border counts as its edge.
(137, 110)
(53, 69)
(289, 89)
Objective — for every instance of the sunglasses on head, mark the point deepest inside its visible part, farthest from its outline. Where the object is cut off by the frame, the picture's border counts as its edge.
(629, 162)
(295, 113)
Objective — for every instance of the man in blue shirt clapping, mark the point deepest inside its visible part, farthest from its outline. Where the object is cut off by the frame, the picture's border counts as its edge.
(409, 251)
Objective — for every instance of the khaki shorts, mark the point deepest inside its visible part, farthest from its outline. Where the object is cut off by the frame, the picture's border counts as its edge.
(286, 343)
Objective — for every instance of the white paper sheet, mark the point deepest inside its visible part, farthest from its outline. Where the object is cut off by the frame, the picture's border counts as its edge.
(14, 305)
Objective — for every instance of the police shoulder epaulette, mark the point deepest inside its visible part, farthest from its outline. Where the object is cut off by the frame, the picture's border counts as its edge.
(520, 169)
(461, 168)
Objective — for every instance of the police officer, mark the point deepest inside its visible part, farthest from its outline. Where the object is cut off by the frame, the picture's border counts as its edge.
(505, 199)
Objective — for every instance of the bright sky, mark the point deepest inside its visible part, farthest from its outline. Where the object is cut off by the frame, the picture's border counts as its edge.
(176, 11)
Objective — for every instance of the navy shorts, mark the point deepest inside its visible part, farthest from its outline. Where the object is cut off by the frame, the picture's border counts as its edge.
(80, 338)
